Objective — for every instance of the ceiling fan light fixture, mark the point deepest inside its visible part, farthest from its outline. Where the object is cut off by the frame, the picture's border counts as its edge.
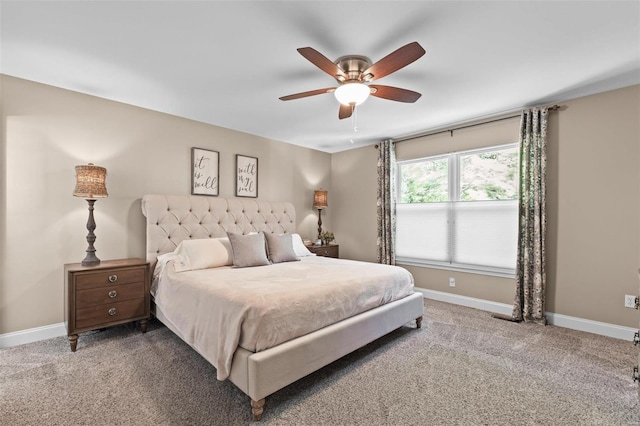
(352, 93)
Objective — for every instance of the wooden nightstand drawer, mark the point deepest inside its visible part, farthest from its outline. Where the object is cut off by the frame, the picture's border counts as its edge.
(110, 293)
(113, 294)
(332, 250)
(96, 316)
(109, 278)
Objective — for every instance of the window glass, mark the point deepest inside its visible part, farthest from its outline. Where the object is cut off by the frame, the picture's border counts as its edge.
(424, 181)
(489, 175)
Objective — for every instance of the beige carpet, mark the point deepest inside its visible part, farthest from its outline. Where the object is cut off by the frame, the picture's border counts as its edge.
(462, 368)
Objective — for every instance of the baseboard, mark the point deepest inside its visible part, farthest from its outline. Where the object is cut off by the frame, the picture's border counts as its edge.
(595, 327)
(566, 321)
(470, 302)
(31, 335)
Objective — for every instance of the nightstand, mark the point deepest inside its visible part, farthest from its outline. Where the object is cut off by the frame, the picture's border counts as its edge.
(331, 250)
(110, 293)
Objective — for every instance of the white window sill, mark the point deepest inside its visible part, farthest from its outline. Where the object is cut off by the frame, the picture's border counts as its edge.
(470, 269)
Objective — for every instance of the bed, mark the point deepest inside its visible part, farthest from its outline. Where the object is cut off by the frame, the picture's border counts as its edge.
(262, 360)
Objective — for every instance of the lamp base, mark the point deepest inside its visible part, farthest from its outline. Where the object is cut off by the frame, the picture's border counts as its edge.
(91, 259)
(319, 223)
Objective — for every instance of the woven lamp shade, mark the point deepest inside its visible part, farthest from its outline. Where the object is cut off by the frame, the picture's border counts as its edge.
(90, 182)
(320, 199)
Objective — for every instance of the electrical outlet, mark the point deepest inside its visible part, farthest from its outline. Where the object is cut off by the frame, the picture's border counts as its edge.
(452, 282)
(629, 301)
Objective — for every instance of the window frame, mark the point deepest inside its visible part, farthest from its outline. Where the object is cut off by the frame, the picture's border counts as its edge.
(454, 192)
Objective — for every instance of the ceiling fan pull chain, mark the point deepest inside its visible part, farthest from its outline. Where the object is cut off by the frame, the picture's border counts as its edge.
(354, 117)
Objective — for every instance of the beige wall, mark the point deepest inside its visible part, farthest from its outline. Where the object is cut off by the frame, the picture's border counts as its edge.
(593, 248)
(353, 197)
(594, 211)
(47, 131)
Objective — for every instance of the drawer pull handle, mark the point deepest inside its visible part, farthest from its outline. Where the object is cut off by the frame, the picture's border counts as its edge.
(636, 338)
(112, 311)
(113, 294)
(113, 278)
(635, 375)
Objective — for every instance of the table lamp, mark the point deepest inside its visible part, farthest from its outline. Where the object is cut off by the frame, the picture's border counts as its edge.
(90, 184)
(320, 202)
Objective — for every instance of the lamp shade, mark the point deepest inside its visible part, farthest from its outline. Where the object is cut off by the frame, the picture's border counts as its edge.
(320, 199)
(352, 93)
(90, 182)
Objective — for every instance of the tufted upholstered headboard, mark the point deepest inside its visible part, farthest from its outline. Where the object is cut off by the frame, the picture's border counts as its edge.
(173, 218)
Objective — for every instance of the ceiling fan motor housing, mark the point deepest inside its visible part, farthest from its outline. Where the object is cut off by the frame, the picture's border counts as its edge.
(353, 66)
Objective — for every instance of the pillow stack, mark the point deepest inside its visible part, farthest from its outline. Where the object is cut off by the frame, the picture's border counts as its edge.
(241, 251)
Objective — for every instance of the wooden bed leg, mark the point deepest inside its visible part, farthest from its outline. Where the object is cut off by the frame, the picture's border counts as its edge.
(419, 322)
(257, 407)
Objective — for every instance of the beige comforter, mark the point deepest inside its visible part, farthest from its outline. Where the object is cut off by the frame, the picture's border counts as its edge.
(216, 310)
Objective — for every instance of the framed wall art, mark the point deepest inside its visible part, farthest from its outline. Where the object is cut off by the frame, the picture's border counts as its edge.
(246, 176)
(205, 169)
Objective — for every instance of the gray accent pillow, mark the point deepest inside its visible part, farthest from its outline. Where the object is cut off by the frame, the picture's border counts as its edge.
(280, 248)
(248, 250)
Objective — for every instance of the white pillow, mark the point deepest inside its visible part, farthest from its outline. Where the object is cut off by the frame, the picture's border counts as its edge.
(203, 253)
(298, 246)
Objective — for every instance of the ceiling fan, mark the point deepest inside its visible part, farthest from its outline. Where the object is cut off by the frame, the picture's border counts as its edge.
(352, 72)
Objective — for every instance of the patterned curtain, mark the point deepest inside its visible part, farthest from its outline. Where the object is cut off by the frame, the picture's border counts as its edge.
(386, 203)
(530, 268)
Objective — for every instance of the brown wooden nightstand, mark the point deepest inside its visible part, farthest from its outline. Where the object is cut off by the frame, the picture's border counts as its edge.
(110, 293)
(331, 250)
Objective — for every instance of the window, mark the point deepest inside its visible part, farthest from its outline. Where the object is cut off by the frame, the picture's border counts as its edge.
(460, 211)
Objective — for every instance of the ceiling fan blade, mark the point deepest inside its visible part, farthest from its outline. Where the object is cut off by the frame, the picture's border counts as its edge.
(306, 94)
(345, 111)
(394, 93)
(394, 61)
(322, 62)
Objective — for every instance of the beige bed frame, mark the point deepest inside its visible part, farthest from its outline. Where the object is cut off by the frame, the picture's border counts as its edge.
(173, 218)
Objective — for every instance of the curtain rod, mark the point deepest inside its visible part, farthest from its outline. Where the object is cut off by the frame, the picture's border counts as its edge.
(421, 135)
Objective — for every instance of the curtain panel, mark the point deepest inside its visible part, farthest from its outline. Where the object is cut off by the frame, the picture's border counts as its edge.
(530, 267)
(386, 203)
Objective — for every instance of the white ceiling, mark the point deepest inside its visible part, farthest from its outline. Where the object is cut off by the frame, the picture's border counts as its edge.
(227, 63)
